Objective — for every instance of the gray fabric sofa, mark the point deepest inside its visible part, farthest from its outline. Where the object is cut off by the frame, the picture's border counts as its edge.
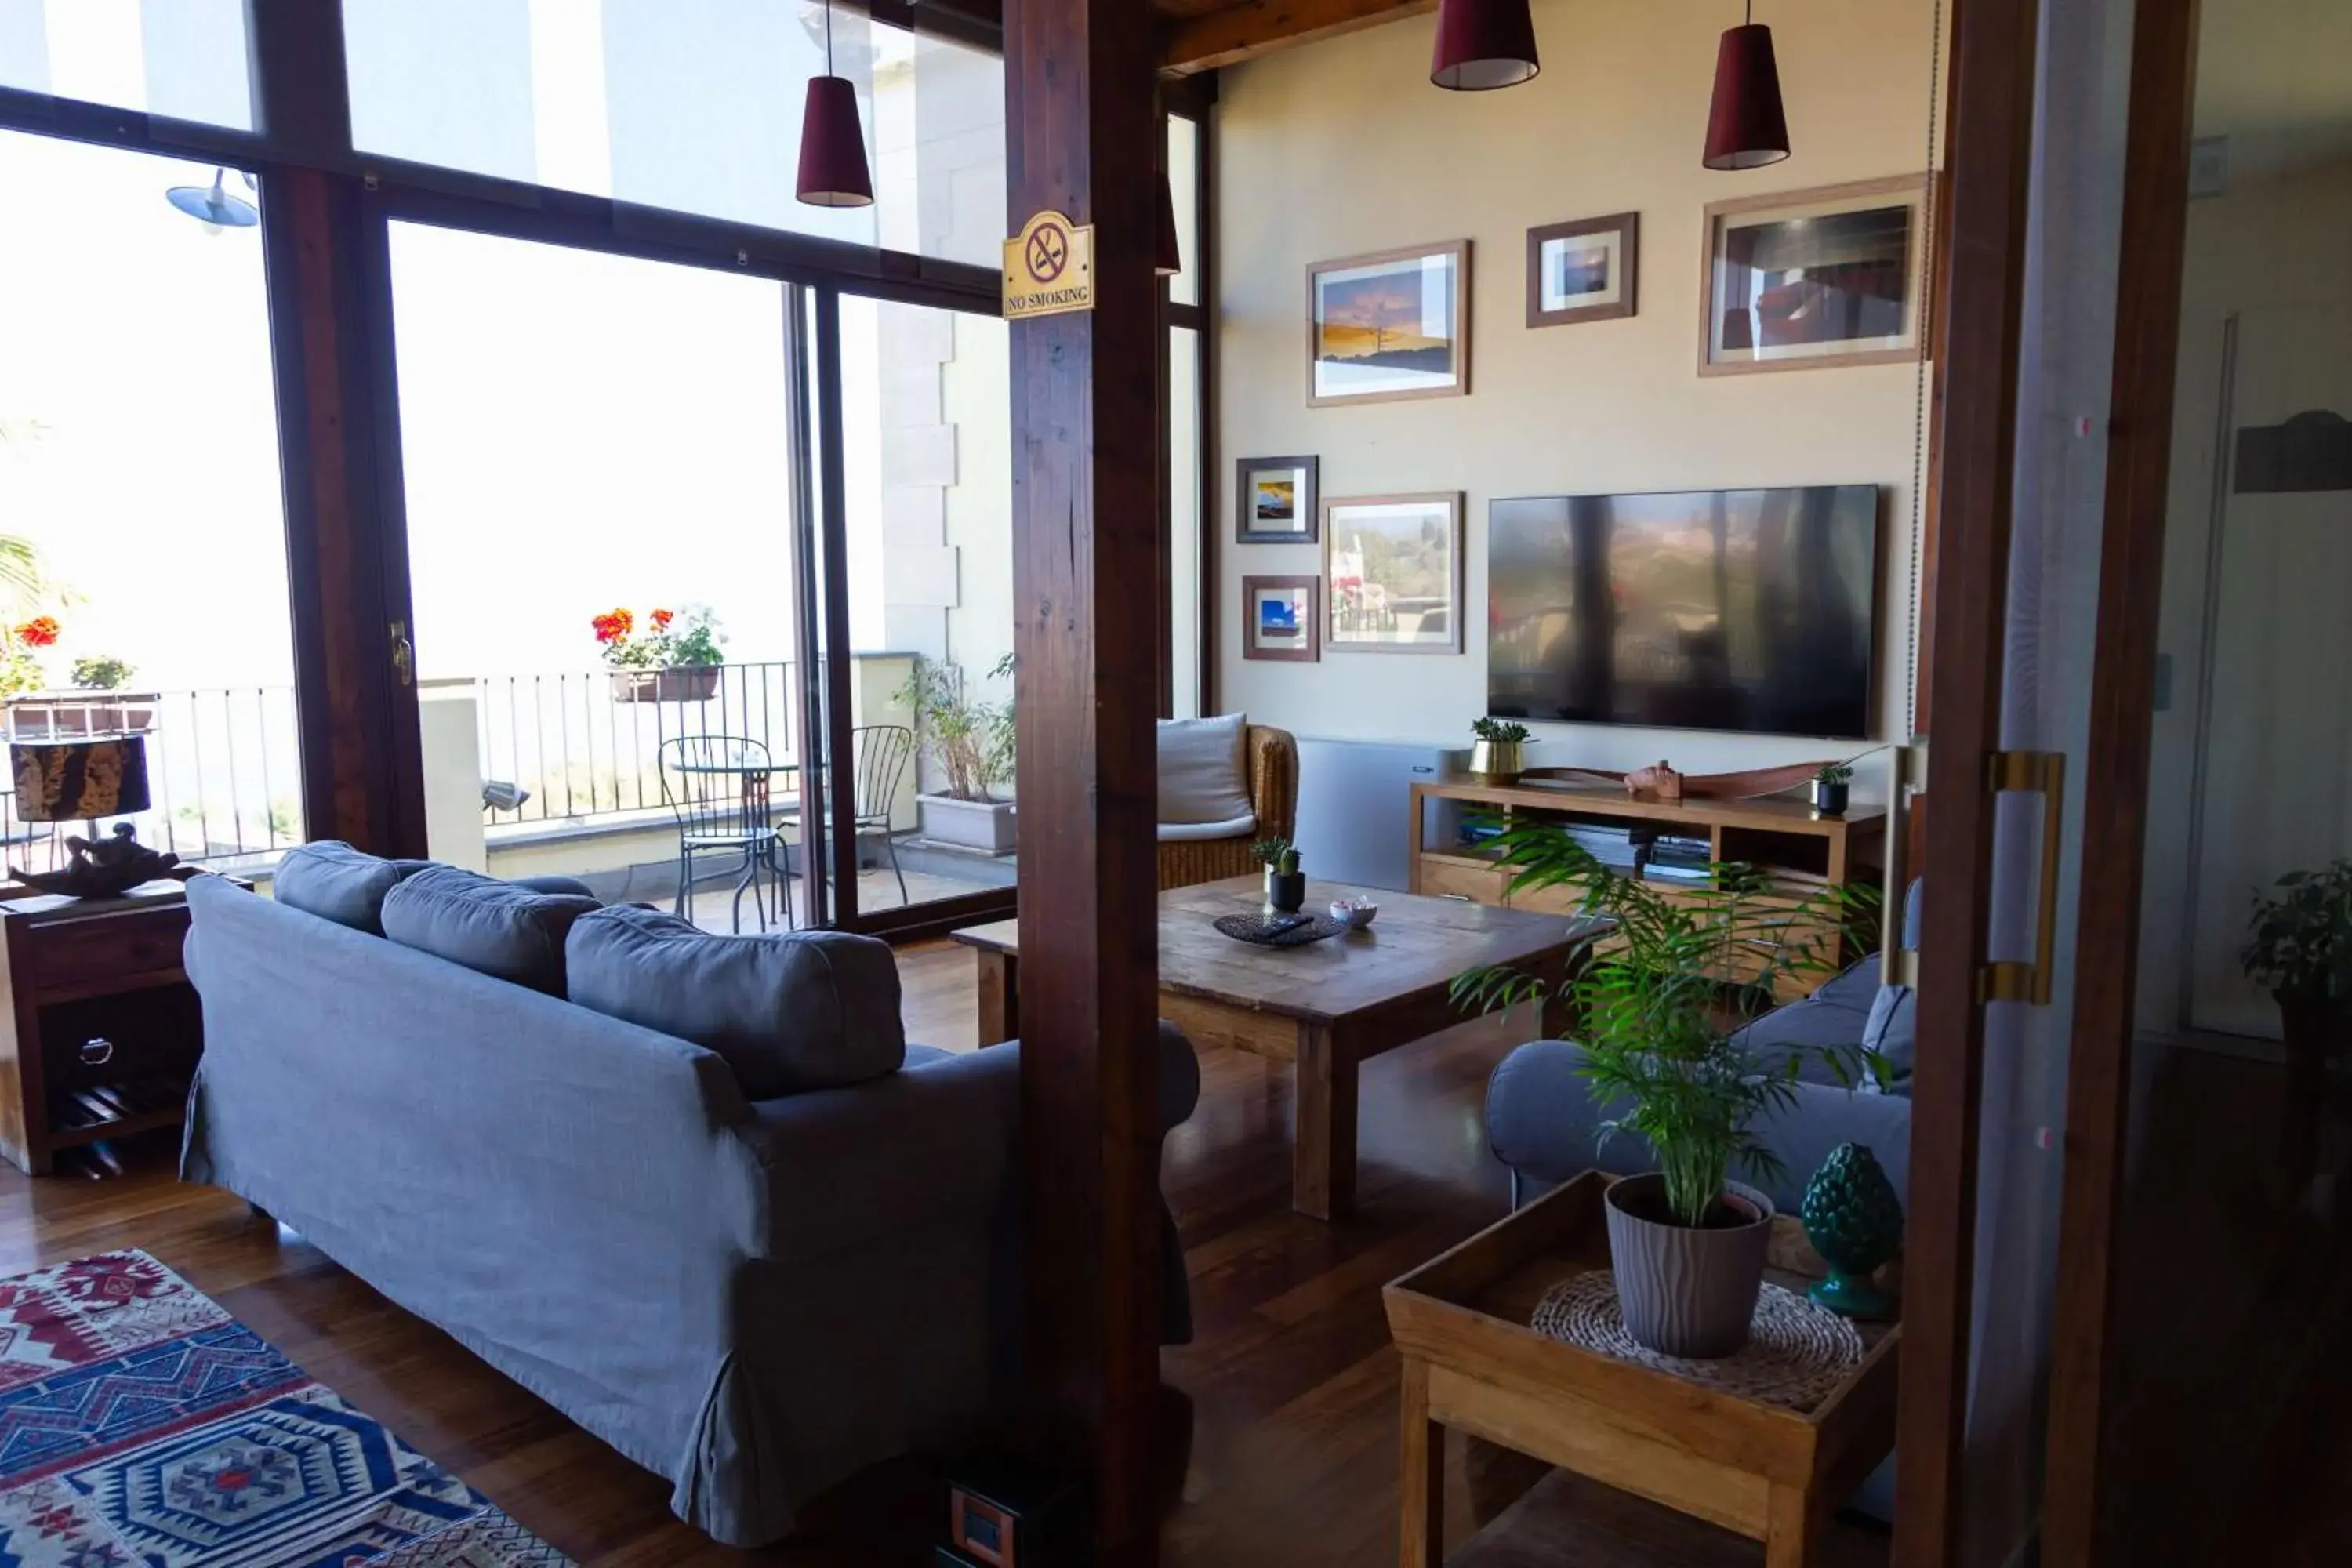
(755, 1299)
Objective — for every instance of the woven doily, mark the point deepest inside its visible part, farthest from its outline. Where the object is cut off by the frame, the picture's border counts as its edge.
(1251, 929)
(1796, 1352)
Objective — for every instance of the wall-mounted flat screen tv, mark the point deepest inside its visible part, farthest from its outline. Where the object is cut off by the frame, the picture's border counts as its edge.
(1744, 610)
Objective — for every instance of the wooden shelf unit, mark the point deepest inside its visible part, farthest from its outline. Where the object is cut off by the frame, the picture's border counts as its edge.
(101, 1030)
(1804, 852)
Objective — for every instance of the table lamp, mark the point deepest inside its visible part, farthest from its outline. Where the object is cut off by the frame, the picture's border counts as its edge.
(81, 780)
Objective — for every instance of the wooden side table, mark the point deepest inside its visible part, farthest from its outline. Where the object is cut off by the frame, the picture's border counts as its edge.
(101, 1031)
(1471, 1361)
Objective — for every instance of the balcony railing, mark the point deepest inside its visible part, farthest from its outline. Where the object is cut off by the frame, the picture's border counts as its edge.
(224, 763)
(585, 746)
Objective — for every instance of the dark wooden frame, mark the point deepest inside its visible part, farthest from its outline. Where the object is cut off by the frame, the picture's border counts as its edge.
(1307, 504)
(1459, 250)
(1453, 501)
(1627, 227)
(2152, 248)
(1916, 192)
(1311, 652)
(1994, 65)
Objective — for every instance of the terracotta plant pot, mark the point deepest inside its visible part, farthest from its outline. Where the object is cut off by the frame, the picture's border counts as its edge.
(679, 683)
(1684, 1291)
(1498, 762)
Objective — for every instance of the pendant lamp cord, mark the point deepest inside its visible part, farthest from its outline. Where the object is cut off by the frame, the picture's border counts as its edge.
(828, 37)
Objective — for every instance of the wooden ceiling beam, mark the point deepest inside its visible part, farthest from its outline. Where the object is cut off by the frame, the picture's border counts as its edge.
(1259, 28)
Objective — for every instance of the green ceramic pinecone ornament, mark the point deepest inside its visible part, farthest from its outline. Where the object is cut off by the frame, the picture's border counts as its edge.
(1855, 1222)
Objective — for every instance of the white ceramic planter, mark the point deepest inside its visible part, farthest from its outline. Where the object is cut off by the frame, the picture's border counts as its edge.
(988, 826)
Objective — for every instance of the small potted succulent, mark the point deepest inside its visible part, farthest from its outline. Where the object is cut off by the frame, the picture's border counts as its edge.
(1830, 788)
(1285, 884)
(1662, 1008)
(2299, 948)
(676, 658)
(1498, 755)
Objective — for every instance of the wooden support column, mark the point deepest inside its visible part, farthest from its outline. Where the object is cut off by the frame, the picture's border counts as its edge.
(1079, 125)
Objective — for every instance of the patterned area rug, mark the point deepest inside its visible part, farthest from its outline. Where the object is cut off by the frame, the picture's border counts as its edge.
(141, 1426)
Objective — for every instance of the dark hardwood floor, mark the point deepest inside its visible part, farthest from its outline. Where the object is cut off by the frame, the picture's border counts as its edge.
(1291, 1378)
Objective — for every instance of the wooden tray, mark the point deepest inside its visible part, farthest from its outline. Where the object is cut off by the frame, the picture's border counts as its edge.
(1461, 1323)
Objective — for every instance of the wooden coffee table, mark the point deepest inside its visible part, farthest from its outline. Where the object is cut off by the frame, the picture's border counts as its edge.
(1325, 1006)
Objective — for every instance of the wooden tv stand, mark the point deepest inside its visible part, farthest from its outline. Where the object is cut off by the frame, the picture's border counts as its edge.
(1803, 852)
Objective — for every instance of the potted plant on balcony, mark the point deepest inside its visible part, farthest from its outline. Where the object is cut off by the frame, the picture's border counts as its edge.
(676, 658)
(972, 742)
(1498, 754)
(1660, 1009)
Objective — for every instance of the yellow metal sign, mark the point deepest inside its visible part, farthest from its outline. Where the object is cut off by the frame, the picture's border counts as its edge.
(1049, 267)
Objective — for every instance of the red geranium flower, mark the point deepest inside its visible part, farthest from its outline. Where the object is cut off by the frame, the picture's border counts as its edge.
(662, 619)
(41, 631)
(613, 626)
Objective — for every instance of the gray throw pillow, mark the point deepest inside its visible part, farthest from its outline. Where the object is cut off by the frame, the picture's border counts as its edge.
(336, 882)
(1891, 1031)
(789, 1011)
(492, 927)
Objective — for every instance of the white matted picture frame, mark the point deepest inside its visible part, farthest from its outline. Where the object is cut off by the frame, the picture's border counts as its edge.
(1274, 501)
(1813, 279)
(1588, 270)
(1282, 618)
(1392, 573)
(1390, 325)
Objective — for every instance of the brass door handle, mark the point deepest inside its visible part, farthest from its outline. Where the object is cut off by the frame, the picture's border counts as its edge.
(404, 654)
(2043, 774)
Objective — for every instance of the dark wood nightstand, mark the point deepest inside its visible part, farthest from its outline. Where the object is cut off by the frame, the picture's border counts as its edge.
(101, 1032)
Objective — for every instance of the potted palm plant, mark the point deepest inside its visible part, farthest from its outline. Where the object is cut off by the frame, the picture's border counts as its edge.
(972, 742)
(1660, 1008)
(1498, 753)
(2299, 948)
(676, 658)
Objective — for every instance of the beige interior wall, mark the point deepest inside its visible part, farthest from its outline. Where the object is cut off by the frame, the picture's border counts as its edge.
(1343, 147)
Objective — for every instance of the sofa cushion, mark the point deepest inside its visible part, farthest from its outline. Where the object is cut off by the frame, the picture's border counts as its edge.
(789, 1011)
(1201, 775)
(336, 882)
(492, 927)
(1891, 1030)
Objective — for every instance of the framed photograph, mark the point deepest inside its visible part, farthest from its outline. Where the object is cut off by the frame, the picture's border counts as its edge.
(1392, 573)
(1808, 280)
(1388, 326)
(1584, 271)
(1282, 618)
(1274, 500)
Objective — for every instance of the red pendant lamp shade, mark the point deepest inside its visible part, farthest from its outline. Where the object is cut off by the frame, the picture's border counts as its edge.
(1745, 128)
(1483, 44)
(833, 147)
(1166, 254)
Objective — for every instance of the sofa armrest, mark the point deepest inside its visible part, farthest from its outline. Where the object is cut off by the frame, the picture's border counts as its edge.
(935, 1144)
(1273, 779)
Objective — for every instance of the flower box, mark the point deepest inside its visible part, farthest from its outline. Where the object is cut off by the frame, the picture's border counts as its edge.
(988, 826)
(75, 715)
(679, 683)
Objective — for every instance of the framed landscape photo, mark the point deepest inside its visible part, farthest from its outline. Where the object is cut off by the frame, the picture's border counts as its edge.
(1809, 279)
(1391, 325)
(1275, 501)
(1584, 271)
(1392, 573)
(1282, 618)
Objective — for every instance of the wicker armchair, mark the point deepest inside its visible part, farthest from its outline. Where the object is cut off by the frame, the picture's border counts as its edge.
(1272, 756)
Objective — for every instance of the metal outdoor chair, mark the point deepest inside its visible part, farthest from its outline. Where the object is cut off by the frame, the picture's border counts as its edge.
(720, 789)
(880, 753)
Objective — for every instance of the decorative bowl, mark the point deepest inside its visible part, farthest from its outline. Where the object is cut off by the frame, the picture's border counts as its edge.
(1355, 916)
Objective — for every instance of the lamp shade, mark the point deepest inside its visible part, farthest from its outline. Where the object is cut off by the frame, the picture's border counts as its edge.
(1167, 251)
(833, 147)
(79, 781)
(1744, 127)
(1483, 44)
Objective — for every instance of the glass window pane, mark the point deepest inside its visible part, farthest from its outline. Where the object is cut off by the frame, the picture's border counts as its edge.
(1184, 520)
(690, 105)
(927, 458)
(1183, 188)
(582, 434)
(183, 60)
(138, 465)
